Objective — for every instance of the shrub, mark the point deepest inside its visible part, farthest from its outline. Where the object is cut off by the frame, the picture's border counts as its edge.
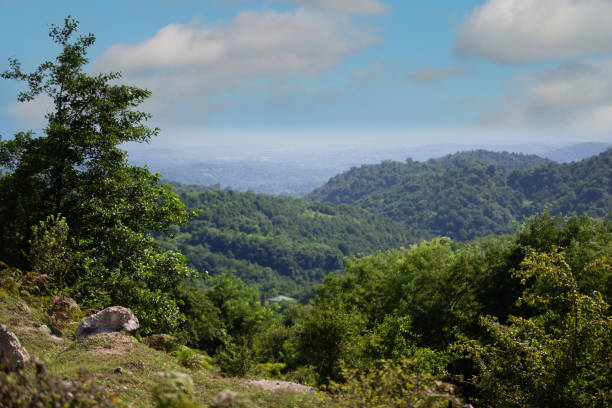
(235, 360)
(192, 359)
(29, 389)
(173, 390)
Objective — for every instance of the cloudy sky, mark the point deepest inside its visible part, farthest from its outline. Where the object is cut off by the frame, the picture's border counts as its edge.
(301, 72)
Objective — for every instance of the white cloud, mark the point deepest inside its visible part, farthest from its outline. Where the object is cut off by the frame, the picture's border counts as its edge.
(517, 31)
(572, 96)
(366, 7)
(31, 114)
(429, 75)
(187, 63)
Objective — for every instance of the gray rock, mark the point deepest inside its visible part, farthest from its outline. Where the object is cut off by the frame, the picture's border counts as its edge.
(111, 319)
(12, 353)
(271, 385)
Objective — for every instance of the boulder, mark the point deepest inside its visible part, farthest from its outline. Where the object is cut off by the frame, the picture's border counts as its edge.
(12, 353)
(111, 319)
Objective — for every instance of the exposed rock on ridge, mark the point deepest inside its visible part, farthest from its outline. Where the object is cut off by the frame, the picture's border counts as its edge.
(12, 353)
(111, 319)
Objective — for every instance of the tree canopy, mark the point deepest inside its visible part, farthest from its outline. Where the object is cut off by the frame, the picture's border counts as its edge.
(474, 194)
(77, 169)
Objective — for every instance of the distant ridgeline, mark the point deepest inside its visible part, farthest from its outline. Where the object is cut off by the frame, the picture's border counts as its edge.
(281, 244)
(472, 194)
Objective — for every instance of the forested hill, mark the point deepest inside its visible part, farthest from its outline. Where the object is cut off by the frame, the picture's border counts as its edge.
(471, 194)
(281, 244)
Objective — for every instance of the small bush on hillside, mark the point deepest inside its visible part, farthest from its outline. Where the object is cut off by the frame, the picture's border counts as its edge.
(174, 390)
(50, 252)
(28, 389)
(269, 370)
(235, 360)
(192, 359)
(9, 279)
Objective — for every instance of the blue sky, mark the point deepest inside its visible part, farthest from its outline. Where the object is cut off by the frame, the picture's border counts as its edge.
(302, 72)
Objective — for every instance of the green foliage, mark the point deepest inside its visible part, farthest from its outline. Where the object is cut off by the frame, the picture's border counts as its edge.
(327, 338)
(235, 360)
(49, 250)
(414, 303)
(224, 316)
(173, 390)
(192, 359)
(282, 245)
(390, 384)
(28, 389)
(102, 248)
(560, 356)
(473, 194)
(270, 370)
(390, 306)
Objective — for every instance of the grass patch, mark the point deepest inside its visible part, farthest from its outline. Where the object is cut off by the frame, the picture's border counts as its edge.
(122, 365)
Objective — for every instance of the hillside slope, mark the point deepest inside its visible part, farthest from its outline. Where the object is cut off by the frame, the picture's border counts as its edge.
(473, 194)
(282, 244)
(125, 368)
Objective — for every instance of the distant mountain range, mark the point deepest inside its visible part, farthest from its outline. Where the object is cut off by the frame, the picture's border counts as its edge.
(296, 173)
(472, 194)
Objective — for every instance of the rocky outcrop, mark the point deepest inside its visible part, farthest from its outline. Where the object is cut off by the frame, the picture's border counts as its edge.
(12, 353)
(270, 385)
(111, 319)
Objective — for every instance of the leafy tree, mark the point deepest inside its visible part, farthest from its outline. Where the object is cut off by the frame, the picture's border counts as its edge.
(77, 169)
(560, 357)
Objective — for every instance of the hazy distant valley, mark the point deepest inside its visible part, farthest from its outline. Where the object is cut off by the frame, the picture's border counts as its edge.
(295, 173)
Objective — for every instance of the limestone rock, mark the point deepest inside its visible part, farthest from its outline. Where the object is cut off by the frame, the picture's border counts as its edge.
(111, 319)
(271, 385)
(12, 352)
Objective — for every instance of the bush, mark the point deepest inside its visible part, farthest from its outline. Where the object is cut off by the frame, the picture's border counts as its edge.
(192, 359)
(174, 390)
(29, 389)
(235, 360)
(269, 370)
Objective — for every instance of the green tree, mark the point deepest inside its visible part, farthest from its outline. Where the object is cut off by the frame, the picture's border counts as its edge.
(560, 356)
(77, 169)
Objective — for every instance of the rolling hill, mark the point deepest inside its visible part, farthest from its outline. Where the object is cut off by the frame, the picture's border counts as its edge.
(280, 244)
(472, 194)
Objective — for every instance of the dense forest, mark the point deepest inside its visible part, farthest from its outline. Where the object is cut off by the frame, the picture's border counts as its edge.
(516, 320)
(473, 194)
(283, 245)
